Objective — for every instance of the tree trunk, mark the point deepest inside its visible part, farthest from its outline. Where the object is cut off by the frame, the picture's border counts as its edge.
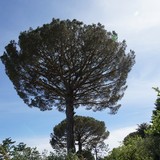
(96, 157)
(70, 125)
(79, 144)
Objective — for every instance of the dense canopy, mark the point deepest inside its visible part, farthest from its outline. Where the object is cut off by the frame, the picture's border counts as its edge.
(89, 133)
(67, 57)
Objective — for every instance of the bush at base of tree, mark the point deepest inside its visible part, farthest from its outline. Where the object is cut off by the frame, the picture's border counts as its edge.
(85, 155)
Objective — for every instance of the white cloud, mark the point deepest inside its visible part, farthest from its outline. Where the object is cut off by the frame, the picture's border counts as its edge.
(136, 13)
(116, 136)
(144, 15)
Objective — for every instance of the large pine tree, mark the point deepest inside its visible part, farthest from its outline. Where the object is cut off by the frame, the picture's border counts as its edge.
(67, 64)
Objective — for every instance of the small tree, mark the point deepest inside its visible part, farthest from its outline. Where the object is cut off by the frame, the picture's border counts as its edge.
(135, 149)
(157, 103)
(6, 148)
(154, 129)
(10, 151)
(140, 132)
(22, 152)
(67, 64)
(89, 134)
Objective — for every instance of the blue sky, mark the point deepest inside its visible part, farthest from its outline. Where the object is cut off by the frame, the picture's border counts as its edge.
(136, 21)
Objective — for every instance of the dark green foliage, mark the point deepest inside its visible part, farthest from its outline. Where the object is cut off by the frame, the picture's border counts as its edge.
(135, 149)
(144, 144)
(155, 127)
(6, 148)
(142, 128)
(10, 151)
(85, 154)
(141, 132)
(52, 156)
(152, 145)
(89, 135)
(157, 103)
(154, 130)
(66, 64)
(63, 55)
